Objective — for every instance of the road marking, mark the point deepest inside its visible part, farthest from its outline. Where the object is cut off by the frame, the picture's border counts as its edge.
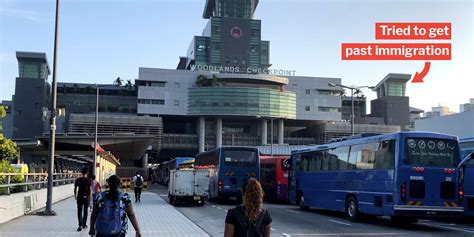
(225, 211)
(163, 195)
(348, 234)
(339, 222)
(447, 227)
(293, 211)
(219, 208)
(213, 205)
(272, 229)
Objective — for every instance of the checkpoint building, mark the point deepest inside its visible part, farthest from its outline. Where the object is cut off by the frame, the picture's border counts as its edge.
(225, 93)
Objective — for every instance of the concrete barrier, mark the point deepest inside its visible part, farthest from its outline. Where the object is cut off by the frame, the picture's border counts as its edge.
(19, 204)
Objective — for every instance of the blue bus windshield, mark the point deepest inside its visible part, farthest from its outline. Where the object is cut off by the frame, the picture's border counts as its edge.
(431, 152)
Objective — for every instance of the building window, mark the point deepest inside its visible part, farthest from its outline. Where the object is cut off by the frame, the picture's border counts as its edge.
(329, 109)
(244, 61)
(150, 101)
(227, 60)
(235, 61)
(176, 85)
(308, 91)
(201, 48)
(176, 103)
(307, 108)
(157, 83)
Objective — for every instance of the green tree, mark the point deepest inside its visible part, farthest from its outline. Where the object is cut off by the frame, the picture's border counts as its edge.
(8, 148)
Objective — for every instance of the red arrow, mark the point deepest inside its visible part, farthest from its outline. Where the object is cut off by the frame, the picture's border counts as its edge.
(418, 77)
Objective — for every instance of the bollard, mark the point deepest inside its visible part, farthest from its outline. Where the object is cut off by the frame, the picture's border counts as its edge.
(122, 183)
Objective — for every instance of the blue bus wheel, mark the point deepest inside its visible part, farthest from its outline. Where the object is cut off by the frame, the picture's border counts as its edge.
(352, 209)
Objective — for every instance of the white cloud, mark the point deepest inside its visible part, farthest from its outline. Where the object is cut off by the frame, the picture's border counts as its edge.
(19, 13)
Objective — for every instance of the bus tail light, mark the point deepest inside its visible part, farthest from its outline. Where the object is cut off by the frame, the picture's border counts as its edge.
(418, 169)
(461, 194)
(219, 184)
(403, 191)
(449, 171)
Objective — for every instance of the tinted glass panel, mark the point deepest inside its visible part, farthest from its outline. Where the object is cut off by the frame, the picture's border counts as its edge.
(431, 152)
(240, 157)
(385, 155)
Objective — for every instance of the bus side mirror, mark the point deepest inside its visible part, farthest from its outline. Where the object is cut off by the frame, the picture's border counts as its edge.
(286, 164)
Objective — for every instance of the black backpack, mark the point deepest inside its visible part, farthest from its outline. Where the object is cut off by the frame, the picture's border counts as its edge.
(251, 229)
(139, 181)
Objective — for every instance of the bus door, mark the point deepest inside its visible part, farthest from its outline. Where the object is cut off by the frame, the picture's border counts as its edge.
(294, 161)
(466, 172)
(428, 175)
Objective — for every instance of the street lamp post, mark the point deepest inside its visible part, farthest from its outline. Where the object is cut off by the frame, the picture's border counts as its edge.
(52, 133)
(352, 88)
(96, 128)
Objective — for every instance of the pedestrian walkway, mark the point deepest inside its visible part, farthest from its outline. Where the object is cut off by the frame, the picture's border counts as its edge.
(156, 218)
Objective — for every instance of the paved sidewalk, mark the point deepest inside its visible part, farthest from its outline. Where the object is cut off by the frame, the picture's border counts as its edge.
(156, 218)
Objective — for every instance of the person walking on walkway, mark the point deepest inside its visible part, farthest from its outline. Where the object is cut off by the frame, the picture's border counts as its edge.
(249, 219)
(137, 186)
(95, 188)
(110, 212)
(82, 189)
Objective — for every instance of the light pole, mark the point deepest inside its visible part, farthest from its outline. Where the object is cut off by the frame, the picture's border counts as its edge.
(52, 133)
(352, 88)
(96, 128)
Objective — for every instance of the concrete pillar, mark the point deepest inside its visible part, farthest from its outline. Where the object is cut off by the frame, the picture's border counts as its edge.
(145, 161)
(264, 132)
(219, 132)
(202, 133)
(280, 131)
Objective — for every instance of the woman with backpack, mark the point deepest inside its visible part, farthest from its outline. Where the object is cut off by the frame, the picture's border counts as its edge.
(110, 212)
(249, 219)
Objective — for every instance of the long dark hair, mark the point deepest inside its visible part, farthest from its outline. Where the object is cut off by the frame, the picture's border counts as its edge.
(114, 184)
(253, 199)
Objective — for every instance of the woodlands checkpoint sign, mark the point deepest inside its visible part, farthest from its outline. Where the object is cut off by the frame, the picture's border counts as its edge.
(248, 70)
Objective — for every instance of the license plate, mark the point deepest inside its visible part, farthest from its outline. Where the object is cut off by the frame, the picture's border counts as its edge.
(197, 198)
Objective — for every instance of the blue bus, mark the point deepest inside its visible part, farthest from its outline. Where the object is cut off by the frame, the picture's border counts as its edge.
(229, 168)
(467, 147)
(403, 175)
(167, 166)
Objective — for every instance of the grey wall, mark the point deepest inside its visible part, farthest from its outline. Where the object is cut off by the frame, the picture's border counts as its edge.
(31, 95)
(394, 109)
(460, 125)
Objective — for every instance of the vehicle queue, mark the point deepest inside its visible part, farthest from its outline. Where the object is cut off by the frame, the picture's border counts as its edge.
(404, 175)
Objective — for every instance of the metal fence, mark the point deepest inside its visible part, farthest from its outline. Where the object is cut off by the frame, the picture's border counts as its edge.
(30, 181)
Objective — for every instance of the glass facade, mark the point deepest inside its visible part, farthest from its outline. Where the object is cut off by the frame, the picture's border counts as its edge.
(262, 102)
(32, 69)
(396, 88)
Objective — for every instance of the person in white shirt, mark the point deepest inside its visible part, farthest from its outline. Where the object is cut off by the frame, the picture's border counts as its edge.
(95, 188)
(137, 186)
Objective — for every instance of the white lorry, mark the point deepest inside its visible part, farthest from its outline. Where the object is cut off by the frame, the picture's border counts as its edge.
(188, 186)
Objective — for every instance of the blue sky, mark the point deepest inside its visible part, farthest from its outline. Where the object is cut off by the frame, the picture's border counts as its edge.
(100, 40)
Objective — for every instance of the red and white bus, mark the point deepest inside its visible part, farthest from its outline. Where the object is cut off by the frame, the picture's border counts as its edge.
(274, 177)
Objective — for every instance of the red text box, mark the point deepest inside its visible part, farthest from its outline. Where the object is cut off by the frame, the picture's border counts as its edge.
(413, 31)
(396, 51)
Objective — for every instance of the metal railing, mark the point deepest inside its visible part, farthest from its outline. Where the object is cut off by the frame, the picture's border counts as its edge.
(33, 181)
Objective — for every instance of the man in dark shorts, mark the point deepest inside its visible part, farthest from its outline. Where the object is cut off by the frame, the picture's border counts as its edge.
(137, 186)
(82, 192)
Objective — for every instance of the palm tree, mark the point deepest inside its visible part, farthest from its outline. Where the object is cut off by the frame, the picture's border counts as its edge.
(129, 84)
(118, 81)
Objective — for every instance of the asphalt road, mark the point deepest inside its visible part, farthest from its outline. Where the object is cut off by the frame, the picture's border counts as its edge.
(289, 220)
